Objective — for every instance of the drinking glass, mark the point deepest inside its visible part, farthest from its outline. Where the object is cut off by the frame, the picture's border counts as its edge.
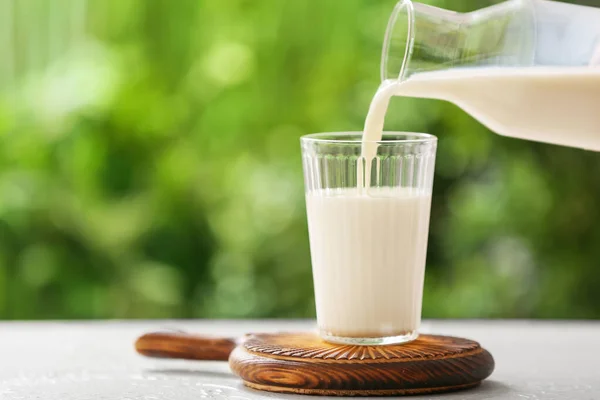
(368, 230)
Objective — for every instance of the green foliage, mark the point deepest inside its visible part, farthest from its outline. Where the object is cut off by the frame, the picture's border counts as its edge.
(150, 167)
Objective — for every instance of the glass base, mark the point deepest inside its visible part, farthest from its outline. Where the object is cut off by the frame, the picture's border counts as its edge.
(370, 341)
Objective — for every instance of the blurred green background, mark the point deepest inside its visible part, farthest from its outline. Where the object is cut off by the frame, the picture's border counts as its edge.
(150, 166)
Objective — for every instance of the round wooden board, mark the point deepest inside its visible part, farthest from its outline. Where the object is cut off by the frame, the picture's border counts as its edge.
(302, 363)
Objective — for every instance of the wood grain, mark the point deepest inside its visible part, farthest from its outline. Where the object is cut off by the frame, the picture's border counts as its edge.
(308, 346)
(303, 364)
(185, 346)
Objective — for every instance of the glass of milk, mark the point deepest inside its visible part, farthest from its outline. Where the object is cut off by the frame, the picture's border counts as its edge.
(368, 219)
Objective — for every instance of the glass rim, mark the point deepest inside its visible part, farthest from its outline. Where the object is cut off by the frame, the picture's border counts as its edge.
(345, 138)
(388, 38)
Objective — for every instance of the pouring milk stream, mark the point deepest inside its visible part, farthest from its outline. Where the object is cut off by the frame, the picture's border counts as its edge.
(528, 69)
(534, 75)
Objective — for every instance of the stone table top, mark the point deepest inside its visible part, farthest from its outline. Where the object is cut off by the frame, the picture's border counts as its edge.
(95, 360)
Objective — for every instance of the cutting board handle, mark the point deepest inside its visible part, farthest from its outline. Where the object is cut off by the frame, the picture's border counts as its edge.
(185, 346)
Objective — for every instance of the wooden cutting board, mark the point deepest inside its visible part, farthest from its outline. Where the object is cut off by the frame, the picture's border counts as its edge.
(301, 363)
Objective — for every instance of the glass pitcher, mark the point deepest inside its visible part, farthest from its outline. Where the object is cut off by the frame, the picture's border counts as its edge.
(515, 33)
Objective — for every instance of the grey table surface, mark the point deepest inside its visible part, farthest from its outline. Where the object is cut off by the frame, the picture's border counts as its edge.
(96, 360)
